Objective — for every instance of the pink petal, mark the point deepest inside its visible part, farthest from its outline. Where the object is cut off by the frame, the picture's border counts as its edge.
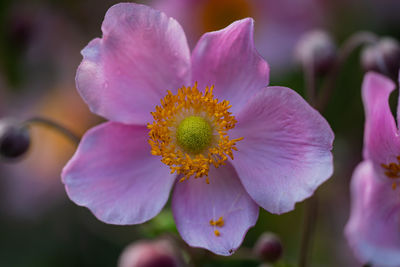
(114, 175)
(373, 229)
(195, 203)
(286, 151)
(228, 60)
(142, 54)
(381, 141)
(398, 103)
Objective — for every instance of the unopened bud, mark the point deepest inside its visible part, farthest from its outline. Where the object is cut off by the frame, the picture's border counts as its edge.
(20, 29)
(382, 57)
(14, 139)
(316, 49)
(268, 247)
(150, 254)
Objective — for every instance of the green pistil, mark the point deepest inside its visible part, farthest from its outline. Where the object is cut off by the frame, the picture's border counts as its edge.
(194, 134)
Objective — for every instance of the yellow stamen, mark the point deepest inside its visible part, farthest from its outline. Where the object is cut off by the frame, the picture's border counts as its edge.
(220, 222)
(392, 171)
(199, 116)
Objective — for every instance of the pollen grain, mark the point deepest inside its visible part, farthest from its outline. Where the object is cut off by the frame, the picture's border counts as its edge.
(392, 171)
(218, 223)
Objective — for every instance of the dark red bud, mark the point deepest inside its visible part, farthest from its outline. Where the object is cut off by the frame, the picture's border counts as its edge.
(382, 57)
(316, 49)
(268, 247)
(150, 254)
(14, 139)
(20, 30)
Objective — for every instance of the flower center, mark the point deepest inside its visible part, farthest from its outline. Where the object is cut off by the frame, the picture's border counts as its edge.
(392, 171)
(190, 132)
(194, 134)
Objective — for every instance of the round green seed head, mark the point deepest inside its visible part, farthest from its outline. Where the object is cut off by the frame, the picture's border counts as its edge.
(194, 134)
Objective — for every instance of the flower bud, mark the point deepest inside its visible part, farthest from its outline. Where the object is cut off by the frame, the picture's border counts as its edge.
(316, 49)
(20, 30)
(14, 139)
(150, 254)
(382, 57)
(268, 247)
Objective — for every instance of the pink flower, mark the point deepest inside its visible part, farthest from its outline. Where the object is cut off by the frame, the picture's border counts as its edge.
(281, 145)
(373, 229)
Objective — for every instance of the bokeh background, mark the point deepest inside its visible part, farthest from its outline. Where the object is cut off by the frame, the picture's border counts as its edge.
(40, 43)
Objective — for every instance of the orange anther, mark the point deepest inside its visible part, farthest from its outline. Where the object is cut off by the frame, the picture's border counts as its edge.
(220, 222)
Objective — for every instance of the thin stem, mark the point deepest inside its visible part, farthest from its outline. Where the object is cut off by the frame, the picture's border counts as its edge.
(309, 79)
(311, 205)
(310, 214)
(350, 45)
(55, 126)
(309, 222)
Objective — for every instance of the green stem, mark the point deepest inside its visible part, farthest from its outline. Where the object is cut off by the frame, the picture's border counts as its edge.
(309, 223)
(320, 103)
(54, 126)
(309, 79)
(349, 46)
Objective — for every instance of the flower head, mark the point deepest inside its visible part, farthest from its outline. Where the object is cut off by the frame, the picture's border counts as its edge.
(373, 228)
(190, 132)
(176, 116)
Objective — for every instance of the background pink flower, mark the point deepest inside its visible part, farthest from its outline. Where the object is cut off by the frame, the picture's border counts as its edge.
(373, 228)
(279, 24)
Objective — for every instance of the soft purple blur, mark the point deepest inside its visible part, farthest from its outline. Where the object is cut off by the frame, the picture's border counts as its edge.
(32, 185)
(279, 24)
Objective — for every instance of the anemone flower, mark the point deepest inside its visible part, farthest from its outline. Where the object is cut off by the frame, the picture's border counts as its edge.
(279, 23)
(373, 228)
(258, 146)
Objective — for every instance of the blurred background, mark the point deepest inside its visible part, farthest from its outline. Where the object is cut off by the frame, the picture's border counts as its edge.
(40, 43)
